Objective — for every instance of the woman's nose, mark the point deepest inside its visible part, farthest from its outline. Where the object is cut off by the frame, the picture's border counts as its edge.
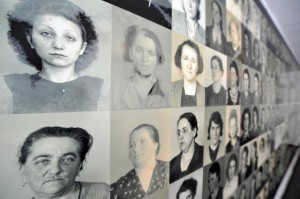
(145, 57)
(58, 43)
(55, 167)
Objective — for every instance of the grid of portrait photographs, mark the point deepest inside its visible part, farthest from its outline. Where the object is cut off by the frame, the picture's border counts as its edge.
(157, 99)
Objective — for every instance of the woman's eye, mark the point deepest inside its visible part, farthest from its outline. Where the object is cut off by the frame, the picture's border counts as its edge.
(69, 38)
(46, 34)
(42, 162)
(68, 160)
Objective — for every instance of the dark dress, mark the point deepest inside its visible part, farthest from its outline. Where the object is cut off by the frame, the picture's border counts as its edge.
(219, 195)
(210, 42)
(129, 186)
(33, 94)
(159, 11)
(230, 102)
(215, 99)
(230, 147)
(196, 163)
(244, 176)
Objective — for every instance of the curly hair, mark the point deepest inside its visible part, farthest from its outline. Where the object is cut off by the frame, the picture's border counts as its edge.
(194, 46)
(217, 119)
(21, 23)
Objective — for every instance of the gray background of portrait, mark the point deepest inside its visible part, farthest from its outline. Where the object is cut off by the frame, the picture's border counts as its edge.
(197, 175)
(122, 70)
(123, 122)
(176, 113)
(15, 128)
(101, 15)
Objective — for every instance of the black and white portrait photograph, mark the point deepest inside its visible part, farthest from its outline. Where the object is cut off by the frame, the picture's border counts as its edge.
(187, 138)
(188, 19)
(234, 82)
(246, 125)
(157, 11)
(234, 44)
(231, 174)
(188, 74)
(232, 137)
(256, 60)
(250, 86)
(243, 190)
(216, 78)
(56, 155)
(215, 125)
(216, 25)
(244, 168)
(140, 153)
(246, 46)
(255, 20)
(189, 187)
(246, 10)
(52, 49)
(213, 179)
(140, 62)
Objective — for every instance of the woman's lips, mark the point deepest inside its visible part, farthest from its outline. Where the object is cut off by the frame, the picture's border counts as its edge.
(57, 55)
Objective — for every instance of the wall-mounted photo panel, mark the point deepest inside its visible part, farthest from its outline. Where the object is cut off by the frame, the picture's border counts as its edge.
(215, 128)
(234, 81)
(189, 186)
(56, 140)
(216, 78)
(246, 125)
(188, 74)
(140, 62)
(186, 141)
(256, 59)
(213, 180)
(233, 33)
(250, 85)
(255, 20)
(244, 167)
(188, 19)
(232, 136)
(142, 146)
(58, 72)
(243, 190)
(246, 46)
(216, 20)
(231, 174)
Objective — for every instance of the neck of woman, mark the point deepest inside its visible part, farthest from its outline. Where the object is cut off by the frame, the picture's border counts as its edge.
(191, 24)
(190, 87)
(235, 46)
(213, 147)
(58, 74)
(233, 141)
(145, 173)
(69, 192)
(143, 84)
(187, 157)
(217, 86)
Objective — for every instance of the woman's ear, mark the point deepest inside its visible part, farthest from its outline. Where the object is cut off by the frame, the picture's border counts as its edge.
(23, 177)
(83, 48)
(29, 38)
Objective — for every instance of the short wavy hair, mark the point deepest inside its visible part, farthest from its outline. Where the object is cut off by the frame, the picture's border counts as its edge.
(84, 139)
(219, 60)
(194, 46)
(215, 168)
(189, 184)
(233, 157)
(246, 71)
(21, 23)
(130, 35)
(235, 67)
(246, 111)
(217, 119)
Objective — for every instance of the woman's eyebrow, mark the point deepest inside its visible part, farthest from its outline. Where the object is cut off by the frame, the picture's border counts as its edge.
(42, 156)
(70, 153)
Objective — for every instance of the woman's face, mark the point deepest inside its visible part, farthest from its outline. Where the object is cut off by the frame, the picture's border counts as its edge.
(246, 122)
(246, 81)
(186, 195)
(141, 147)
(244, 159)
(246, 42)
(243, 194)
(56, 40)
(255, 83)
(189, 63)
(231, 169)
(254, 118)
(216, 73)
(143, 54)
(185, 134)
(191, 8)
(233, 77)
(232, 127)
(216, 14)
(52, 166)
(234, 34)
(215, 130)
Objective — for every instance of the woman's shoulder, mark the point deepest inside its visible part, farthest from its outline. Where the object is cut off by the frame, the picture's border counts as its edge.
(92, 190)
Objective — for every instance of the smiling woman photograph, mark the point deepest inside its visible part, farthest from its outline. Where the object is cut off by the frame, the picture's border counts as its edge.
(187, 91)
(59, 40)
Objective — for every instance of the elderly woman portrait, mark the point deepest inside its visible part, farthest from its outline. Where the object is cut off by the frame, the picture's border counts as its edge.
(232, 180)
(149, 174)
(215, 94)
(234, 46)
(215, 37)
(246, 95)
(50, 160)
(188, 189)
(246, 134)
(188, 91)
(59, 41)
(234, 139)
(142, 89)
(247, 47)
(215, 133)
(191, 156)
(233, 92)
